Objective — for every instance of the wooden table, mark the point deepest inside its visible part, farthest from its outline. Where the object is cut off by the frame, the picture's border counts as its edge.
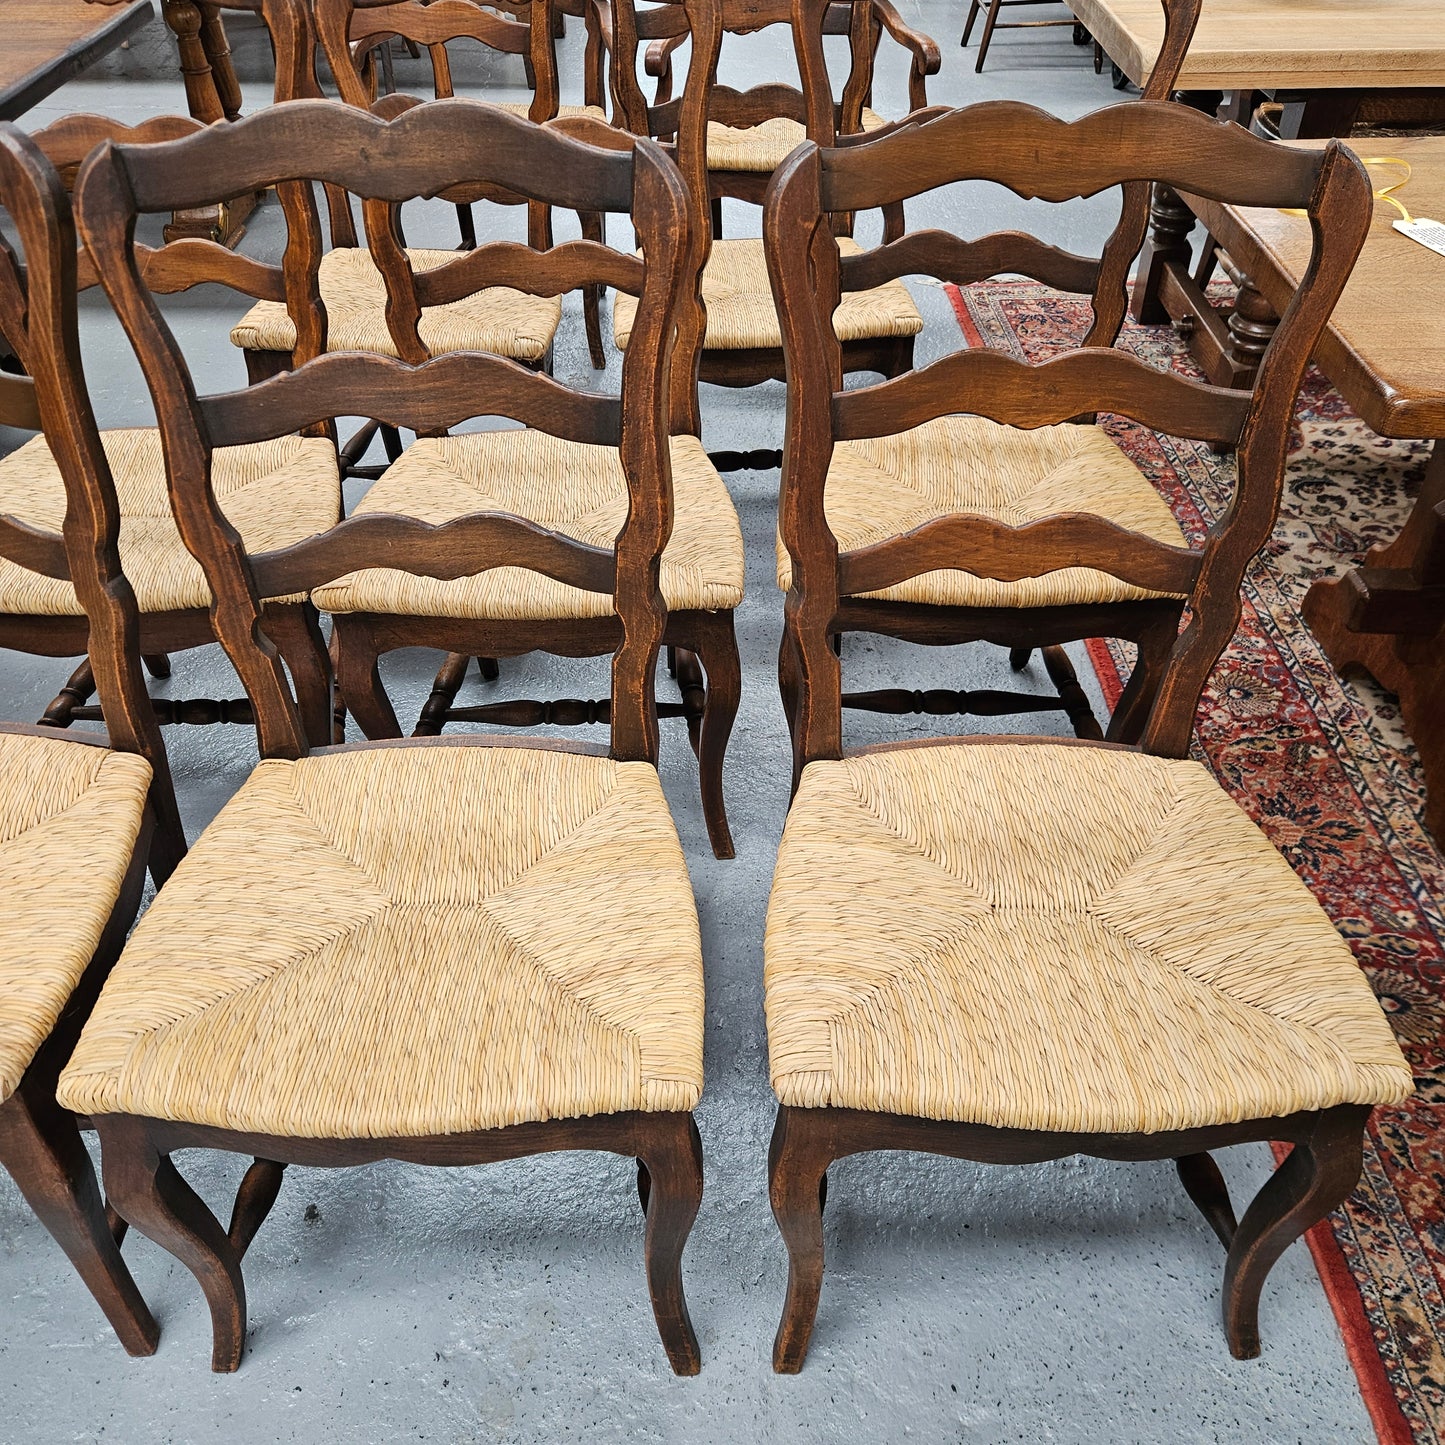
(1290, 44)
(48, 42)
(1385, 351)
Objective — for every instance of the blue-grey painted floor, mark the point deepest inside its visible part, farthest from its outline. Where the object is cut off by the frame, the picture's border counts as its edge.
(1068, 1302)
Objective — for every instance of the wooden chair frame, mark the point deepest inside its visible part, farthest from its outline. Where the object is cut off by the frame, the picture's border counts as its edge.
(423, 152)
(72, 433)
(701, 645)
(1150, 625)
(1039, 156)
(40, 1144)
(703, 99)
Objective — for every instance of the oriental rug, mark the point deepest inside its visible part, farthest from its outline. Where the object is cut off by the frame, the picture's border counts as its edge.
(1325, 768)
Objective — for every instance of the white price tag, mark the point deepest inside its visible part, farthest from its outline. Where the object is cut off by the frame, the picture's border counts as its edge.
(1428, 233)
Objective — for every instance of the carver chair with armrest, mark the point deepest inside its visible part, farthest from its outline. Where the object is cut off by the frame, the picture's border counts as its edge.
(277, 493)
(1011, 949)
(78, 812)
(741, 157)
(447, 950)
(491, 616)
(884, 487)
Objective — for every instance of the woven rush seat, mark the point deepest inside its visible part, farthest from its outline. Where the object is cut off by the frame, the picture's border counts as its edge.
(275, 493)
(523, 109)
(69, 818)
(347, 954)
(496, 319)
(886, 486)
(739, 300)
(763, 148)
(1055, 938)
(570, 487)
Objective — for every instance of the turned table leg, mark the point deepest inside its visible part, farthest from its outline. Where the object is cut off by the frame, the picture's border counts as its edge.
(1387, 617)
(218, 56)
(202, 97)
(1170, 225)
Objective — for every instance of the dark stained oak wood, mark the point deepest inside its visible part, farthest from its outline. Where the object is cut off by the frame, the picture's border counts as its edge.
(420, 153)
(1034, 154)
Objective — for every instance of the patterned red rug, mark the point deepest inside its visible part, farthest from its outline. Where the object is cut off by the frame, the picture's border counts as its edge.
(1326, 770)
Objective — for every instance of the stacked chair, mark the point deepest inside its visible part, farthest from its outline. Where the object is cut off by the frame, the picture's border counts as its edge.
(458, 948)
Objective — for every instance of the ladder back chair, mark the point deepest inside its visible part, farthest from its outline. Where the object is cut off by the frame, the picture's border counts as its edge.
(741, 157)
(499, 319)
(78, 812)
(580, 488)
(355, 35)
(446, 950)
(742, 343)
(276, 493)
(884, 487)
(1011, 949)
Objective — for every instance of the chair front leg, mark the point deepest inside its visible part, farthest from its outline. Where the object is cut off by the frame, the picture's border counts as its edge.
(798, 1162)
(148, 1193)
(670, 1186)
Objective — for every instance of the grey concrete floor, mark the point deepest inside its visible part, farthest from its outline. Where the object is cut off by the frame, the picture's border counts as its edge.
(1068, 1302)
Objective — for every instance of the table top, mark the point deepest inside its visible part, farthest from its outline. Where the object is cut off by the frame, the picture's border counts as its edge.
(47, 42)
(1289, 44)
(1385, 346)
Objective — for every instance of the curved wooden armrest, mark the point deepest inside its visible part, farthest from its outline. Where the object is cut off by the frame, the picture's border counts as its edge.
(657, 60)
(923, 48)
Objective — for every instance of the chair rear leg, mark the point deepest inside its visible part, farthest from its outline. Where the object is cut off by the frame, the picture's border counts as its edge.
(717, 651)
(593, 230)
(146, 1190)
(987, 36)
(79, 688)
(797, 1168)
(254, 1199)
(41, 1149)
(670, 1156)
(157, 664)
(295, 630)
(358, 677)
(449, 679)
(1205, 1186)
(1319, 1175)
(973, 10)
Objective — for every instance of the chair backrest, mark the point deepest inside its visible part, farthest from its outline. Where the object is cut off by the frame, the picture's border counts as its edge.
(1105, 278)
(1035, 155)
(38, 321)
(420, 153)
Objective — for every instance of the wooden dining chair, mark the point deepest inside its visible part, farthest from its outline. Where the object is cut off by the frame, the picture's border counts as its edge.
(502, 320)
(1010, 949)
(740, 158)
(361, 32)
(990, 10)
(884, 487)
(276, 493)
(447, 950)
(78, 812)
(560, 483)
(742, 345)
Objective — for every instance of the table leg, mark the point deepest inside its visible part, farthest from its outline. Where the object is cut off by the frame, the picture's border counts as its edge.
(212, 94)
(1170, 224)
(1387, 618)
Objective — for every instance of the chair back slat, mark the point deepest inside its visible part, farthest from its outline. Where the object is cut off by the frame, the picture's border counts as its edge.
(951, 258)
(1014, 553)
(1005, 389)
(18, 406)
(445, 551)
(38, 318)
(420, 153)
(427, 398)
(1037, 155)
(507, 263)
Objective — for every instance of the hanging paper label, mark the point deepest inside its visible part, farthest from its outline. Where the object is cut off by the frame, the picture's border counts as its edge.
(1427, 233)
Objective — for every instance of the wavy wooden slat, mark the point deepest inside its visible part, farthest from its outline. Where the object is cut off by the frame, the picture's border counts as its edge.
(990, 548)
(366, 155)
(1020, 394)
(951, 258)
(32, 548)
(194, 261)
(567, 267)
(1037, 155)
(427, 398)
(445, 551)
(66, 142)
(438, 22)
(743, 108)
